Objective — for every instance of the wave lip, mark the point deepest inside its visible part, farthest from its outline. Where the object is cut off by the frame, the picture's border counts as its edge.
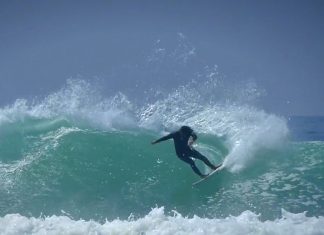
(157, 222)
(78, 102)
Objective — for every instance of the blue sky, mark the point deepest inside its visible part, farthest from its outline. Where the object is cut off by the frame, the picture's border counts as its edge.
(276, 44)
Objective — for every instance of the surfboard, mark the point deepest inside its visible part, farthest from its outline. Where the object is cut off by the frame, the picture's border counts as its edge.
(209, 175)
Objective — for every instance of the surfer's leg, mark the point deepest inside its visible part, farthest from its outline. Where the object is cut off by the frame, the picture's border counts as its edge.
(201, 157)
(192, 165)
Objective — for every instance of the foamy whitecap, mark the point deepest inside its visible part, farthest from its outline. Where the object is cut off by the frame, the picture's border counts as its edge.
(157, 222)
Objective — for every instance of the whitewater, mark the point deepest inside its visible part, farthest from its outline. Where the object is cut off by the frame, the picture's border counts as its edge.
(78, 161)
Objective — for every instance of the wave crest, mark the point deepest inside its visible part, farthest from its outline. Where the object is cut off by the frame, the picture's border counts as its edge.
(157, 222)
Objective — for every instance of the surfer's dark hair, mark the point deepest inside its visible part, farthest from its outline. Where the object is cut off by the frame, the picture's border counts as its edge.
(186, 130)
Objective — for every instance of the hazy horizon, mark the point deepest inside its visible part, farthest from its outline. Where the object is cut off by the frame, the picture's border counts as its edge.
(275, 47)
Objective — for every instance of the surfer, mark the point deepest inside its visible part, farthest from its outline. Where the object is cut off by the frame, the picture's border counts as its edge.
(183, 141)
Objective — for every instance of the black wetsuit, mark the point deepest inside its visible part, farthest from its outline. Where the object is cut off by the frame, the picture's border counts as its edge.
(183, 150)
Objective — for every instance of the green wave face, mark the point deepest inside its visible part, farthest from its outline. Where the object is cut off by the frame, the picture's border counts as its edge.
(50, 166)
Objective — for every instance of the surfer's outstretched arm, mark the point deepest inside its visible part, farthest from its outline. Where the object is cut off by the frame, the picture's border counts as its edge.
(167, 137)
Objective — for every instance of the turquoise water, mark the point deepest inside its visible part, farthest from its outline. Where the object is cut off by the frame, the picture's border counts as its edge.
(73, 158)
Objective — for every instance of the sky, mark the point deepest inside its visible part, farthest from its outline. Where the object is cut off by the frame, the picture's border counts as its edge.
(276, 44)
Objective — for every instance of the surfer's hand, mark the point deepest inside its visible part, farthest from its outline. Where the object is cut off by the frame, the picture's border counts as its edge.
(190, 141)
(153, 142)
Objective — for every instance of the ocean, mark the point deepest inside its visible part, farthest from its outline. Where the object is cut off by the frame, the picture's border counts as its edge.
(80, 162)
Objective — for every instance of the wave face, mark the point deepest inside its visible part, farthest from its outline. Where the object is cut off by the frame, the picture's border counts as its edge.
(77, 156)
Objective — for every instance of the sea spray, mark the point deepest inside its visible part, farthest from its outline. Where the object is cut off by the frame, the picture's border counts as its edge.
(79, 102)
(246, 129)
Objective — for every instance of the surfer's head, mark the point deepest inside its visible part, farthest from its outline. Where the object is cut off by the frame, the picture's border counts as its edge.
(185, 130)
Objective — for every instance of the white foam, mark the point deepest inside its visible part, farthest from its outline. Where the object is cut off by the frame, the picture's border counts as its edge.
(157, 222)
